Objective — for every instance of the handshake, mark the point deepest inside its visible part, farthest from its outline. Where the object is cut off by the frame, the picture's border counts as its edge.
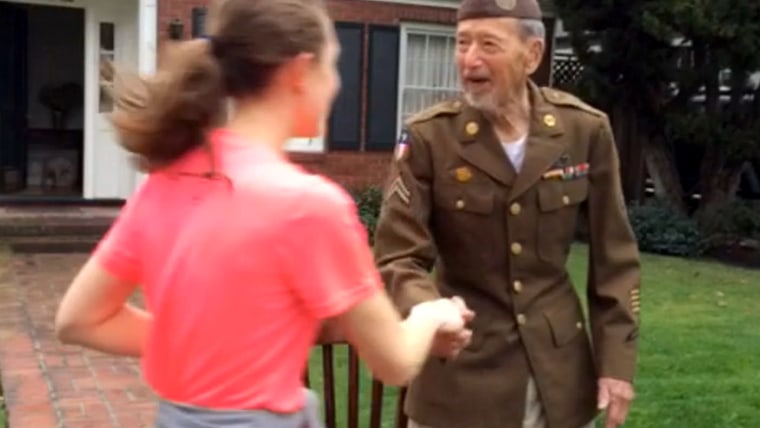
(451, 316)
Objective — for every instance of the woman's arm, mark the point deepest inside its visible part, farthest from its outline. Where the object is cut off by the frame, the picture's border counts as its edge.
(94, 313)
(395, 350)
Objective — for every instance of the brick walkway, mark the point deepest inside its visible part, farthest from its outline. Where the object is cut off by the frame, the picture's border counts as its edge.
(47, 384)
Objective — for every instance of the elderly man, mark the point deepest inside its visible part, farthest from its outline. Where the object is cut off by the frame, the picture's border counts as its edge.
(487, 190)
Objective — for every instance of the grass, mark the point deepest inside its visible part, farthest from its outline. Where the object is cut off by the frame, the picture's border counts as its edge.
(699, 360)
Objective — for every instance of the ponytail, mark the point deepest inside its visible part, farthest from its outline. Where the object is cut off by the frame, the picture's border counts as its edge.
(162, 117)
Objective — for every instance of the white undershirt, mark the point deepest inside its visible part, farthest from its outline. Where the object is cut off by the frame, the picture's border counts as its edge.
(515, 151)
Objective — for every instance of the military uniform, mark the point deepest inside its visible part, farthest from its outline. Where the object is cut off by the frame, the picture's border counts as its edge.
(500, 239)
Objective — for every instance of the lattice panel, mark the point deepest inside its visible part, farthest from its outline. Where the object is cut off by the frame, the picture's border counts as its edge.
(567, 71)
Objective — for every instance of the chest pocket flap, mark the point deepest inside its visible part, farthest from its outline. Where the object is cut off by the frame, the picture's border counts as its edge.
(553, 195)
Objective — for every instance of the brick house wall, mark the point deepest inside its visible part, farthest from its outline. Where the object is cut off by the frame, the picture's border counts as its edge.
(352, 168)
(363, 129)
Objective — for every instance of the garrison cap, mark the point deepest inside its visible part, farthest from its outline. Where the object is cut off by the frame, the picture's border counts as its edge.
(520, 9)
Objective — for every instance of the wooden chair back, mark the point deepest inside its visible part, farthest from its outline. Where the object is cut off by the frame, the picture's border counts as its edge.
(328, 349)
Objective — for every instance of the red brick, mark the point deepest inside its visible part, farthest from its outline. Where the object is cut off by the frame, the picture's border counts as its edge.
(38, 420)
(90, 423)
(42, 378)
(131, 420)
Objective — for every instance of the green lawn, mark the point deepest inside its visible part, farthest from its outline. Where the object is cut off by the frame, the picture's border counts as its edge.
(699, 363)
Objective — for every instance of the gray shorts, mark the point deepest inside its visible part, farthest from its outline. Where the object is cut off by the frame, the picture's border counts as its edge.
(173, 415)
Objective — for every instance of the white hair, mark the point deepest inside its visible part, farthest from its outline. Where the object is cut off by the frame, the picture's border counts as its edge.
(532, 28)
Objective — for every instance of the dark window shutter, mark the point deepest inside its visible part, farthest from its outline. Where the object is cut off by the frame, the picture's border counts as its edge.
(198, 22)
(345, 120)
(382, 97)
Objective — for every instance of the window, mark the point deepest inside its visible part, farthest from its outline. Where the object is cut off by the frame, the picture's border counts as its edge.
(107, 56)
(427, 72)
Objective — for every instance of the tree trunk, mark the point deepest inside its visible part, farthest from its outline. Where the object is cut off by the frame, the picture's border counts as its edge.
(626, 129)
(718, 183)
(662, 169)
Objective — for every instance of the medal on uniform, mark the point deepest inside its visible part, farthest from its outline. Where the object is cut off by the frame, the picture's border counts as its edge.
(567, 173)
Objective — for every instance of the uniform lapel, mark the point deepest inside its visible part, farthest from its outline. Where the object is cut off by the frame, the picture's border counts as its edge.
(544, 143)
(481, 147)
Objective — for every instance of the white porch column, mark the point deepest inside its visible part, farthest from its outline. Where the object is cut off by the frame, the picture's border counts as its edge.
(148, 46)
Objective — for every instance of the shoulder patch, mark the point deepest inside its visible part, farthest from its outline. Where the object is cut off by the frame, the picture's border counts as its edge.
(561, 98)
(448, 107)
(402, 145)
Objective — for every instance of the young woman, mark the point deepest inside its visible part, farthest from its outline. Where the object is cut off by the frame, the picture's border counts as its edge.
(240, 254)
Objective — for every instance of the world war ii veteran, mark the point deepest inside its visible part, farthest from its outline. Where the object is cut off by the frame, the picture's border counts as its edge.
(487, 190)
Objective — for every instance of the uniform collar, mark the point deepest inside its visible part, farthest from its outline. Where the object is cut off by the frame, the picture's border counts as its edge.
(481, 147)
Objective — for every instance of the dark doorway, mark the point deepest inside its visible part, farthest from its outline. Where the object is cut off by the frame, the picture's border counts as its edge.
(41, 101)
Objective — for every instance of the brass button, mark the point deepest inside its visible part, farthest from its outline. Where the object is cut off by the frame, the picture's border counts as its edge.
(579, 325)
(517, 285)
(460, 204)
(521, 319)
(516, 248)
(472, 128)
(566, 200)
(515, 208)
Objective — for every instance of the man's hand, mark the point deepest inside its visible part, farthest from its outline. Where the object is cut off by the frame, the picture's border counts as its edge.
(615, 397)
(448, 343)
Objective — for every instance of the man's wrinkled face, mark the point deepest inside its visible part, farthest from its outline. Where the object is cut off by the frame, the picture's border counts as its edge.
(494, 60)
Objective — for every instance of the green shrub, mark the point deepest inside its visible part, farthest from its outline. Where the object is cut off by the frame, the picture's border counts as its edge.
(732, 222)
(661, 230)
(368, 202)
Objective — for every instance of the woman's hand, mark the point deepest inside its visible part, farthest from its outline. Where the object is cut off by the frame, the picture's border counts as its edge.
(452, 315)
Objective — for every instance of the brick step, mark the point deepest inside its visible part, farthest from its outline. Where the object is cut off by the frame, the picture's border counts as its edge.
(51, 228)
(17, 222)
(51, 244)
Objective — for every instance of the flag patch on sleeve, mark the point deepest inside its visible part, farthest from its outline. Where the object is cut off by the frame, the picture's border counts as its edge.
(402, 145)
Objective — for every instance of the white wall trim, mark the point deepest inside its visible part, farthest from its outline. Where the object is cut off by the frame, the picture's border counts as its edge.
(148, 36)
(418, 27)
(90, 90)
(447, 4)
(147, 51)
(405, 29)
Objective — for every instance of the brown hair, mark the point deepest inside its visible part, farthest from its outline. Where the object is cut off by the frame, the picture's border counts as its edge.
(161, 118)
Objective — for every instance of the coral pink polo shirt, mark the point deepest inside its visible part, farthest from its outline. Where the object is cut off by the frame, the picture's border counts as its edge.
(238, 273)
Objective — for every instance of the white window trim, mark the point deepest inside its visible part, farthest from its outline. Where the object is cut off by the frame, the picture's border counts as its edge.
(449, 4)
(406, 29)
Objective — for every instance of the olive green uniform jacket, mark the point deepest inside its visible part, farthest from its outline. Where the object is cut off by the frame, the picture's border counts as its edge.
(500, 239)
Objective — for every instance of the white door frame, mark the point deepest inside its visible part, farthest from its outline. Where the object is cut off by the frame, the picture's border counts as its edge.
(147, 24)
(147, 39)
